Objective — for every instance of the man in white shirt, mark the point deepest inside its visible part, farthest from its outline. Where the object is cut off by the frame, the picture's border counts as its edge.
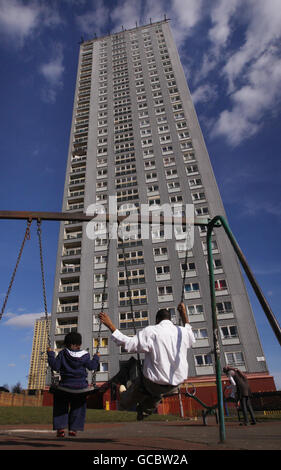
(165, 364)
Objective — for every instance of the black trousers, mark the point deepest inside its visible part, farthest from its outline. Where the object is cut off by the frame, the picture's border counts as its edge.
(69, 411)
(247, 406)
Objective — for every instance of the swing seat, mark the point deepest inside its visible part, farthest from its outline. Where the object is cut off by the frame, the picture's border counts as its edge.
(72, 391)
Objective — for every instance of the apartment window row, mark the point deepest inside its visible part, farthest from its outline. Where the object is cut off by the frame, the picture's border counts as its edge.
(140, 320)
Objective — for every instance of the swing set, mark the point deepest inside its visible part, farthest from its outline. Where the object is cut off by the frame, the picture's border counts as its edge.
(211, 224)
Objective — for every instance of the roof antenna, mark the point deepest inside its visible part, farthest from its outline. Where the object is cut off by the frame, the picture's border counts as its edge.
(81, 40)
(165, 17)
(150, 20)
(136, 24)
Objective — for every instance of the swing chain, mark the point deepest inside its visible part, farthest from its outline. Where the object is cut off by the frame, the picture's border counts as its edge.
(39, 233)
(26, 237)
(102, 306)
(188, 239)
(131, 303)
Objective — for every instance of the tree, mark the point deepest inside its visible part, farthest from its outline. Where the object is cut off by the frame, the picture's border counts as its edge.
(17, 388)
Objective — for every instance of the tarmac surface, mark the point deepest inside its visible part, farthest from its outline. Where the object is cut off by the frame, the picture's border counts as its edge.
(150, 436)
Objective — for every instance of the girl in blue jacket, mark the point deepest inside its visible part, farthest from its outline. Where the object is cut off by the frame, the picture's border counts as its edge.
(72, 363)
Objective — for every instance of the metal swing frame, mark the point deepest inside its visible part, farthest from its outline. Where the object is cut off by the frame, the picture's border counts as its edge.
(211, 224)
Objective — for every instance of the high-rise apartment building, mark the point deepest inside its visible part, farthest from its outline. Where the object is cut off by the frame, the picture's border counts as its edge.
(135, 135)
(38, 361)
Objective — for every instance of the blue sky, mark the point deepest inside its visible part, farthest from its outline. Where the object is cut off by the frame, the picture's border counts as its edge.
(230, 50)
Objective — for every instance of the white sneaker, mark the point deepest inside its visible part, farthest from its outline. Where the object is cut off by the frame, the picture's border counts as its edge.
(122, 389)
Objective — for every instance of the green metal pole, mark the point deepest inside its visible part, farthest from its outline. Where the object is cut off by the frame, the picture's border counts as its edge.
(215, 332)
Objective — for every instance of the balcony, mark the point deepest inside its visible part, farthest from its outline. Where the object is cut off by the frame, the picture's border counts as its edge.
(72, 235)
(66, 325)
(75, 181)
(69, 267)
(69, 304)
(69, 285)
(72, 251)
(76, 193)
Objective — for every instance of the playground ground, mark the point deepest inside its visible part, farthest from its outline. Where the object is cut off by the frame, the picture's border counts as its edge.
(186, 435)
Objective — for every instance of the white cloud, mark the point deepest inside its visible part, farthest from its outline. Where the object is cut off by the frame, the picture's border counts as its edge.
(252, 71)
(26, 320)
(52, 72)
(93, 21)
(204, 93)
(19, 20)
(221, 16)
(126, 13)
(252, 101)
(184, 16)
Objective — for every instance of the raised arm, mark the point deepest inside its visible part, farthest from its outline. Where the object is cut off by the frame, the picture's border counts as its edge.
(104, 318)
(137, 343)
(183, 313)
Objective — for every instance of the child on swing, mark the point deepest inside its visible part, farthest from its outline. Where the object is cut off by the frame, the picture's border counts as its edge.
(69, 410)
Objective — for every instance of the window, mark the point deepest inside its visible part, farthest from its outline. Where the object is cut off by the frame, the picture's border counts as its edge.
(224, 307)
(127, 195)
(154, 201)
(220, 284)
(151, 177)
(149, 165)
(163, 128)
(201, 211)
(188, 269)
(141, 319)
(169, 161)
(161, 252)
(136, 276)
(191, 287)
(178, 199)
(196, 182)
(132, 257)
(214, 246)
(229, 332)
(235, 359)
(153, 189)
(165, 293)
(203, 360)
(99, 279)
(102, 173)
(200, 333)
(167, 149)
(194, 310)
(173, 186)
(148, 152)
(101, 186)
(146, 142)
(100, 260)
(102, 345)
(162, 272)
(198, 197)
(191, 169)
(139, 296)
(103, 367)
(98, 299)
(157, 235)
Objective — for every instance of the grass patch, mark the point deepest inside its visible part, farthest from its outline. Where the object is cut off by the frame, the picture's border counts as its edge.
(43, 415)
